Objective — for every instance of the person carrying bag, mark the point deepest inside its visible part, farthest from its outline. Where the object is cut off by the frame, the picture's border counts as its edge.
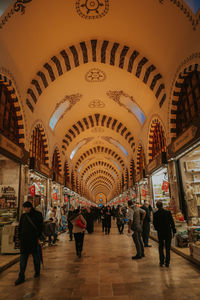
(79, 225)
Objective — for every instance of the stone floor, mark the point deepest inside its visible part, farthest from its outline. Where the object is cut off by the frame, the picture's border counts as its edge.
(106, 271)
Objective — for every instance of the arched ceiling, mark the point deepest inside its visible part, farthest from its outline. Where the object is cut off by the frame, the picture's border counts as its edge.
(94, 72)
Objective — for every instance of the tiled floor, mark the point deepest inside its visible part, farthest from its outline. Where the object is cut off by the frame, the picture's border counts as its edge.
(106, 271)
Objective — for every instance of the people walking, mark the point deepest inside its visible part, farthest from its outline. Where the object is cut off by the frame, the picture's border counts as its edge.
(164, 224)
(120, 220)
(30, 229)
(107, 219)
(146, 224)
(79, 225)
(135, 224)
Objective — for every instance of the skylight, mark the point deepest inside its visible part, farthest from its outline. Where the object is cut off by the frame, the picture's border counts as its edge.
(116, 143)
(194, 5)
(4, 4)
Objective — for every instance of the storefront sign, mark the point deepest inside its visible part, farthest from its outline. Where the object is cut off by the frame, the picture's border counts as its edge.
(157, 162)
(13, 149)
(40, 167)
(186, 137)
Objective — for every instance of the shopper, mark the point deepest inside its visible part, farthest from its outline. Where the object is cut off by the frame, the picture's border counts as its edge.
(90, 220)
(79, 225)
(30, 229)
(107, 219)
(146, 224)
(70, 225)
(103, 212)
(120, 220)
(164, 224)
(135, 223)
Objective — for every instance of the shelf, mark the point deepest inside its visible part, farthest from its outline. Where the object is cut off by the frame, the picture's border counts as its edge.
(192, 171)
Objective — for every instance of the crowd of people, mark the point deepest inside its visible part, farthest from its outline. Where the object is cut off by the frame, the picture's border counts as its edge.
(76, 221)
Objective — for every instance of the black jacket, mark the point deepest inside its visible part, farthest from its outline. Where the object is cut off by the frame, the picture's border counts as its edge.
(147, 218)
(164, 223)
(28, 234)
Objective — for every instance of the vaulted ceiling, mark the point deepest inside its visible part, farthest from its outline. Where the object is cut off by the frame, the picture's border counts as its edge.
(94, 72)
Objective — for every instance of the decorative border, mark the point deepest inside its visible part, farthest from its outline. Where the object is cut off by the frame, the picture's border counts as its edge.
(100, 51)
(18, 6)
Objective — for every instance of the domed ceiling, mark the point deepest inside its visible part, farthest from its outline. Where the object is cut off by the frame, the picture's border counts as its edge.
(95, 72)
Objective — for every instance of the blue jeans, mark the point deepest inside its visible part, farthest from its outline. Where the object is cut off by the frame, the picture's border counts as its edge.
(23, 263)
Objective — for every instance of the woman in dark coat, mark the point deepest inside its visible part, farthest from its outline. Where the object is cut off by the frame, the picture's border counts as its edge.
(107, 219)
(90, 220)
(120, 220)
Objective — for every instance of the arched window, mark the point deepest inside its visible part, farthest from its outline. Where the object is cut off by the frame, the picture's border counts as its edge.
(189, 102)
(8, 117)
(158, 141)
(56, 162)
(37, 146)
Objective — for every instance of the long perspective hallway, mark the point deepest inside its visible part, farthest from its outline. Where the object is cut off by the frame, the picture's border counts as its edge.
(105, 271)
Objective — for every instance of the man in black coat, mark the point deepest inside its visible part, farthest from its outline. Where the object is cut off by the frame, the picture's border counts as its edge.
(164, 224)
(30, 229)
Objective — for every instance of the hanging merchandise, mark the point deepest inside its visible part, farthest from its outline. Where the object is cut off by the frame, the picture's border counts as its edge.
(160, 190)
(165, 186)
(32, 190)
(55, 196)
(144, 192)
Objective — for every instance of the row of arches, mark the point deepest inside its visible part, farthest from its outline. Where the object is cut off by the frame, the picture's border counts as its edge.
(185, 106)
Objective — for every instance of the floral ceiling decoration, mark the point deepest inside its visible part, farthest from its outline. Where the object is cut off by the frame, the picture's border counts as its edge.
(127, 102)
(62, 107)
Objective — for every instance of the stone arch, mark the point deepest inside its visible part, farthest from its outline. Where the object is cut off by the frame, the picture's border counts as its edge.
(102, 173)
(98, 120)
(101, 51)
(39, 125)
(175, 97)
(154, 122)
(17, 105)
(56, 154)
(99, 149)
(98, 164)
(140, 151)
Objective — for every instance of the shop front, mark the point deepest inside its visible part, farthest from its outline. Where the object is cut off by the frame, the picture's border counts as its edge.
(38, 185)
(185, 154)
(12, 161)
(57, 190)
(158, 173)
(142, 188)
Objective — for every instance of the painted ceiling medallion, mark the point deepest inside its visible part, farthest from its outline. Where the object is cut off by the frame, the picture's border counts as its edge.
(96, 103)
(95, 75)
(92, 9)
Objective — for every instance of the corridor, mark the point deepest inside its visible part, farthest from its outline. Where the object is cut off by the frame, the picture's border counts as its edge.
(106, 271)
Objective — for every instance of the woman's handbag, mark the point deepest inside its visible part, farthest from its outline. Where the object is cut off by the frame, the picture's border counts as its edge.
(80, 224)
